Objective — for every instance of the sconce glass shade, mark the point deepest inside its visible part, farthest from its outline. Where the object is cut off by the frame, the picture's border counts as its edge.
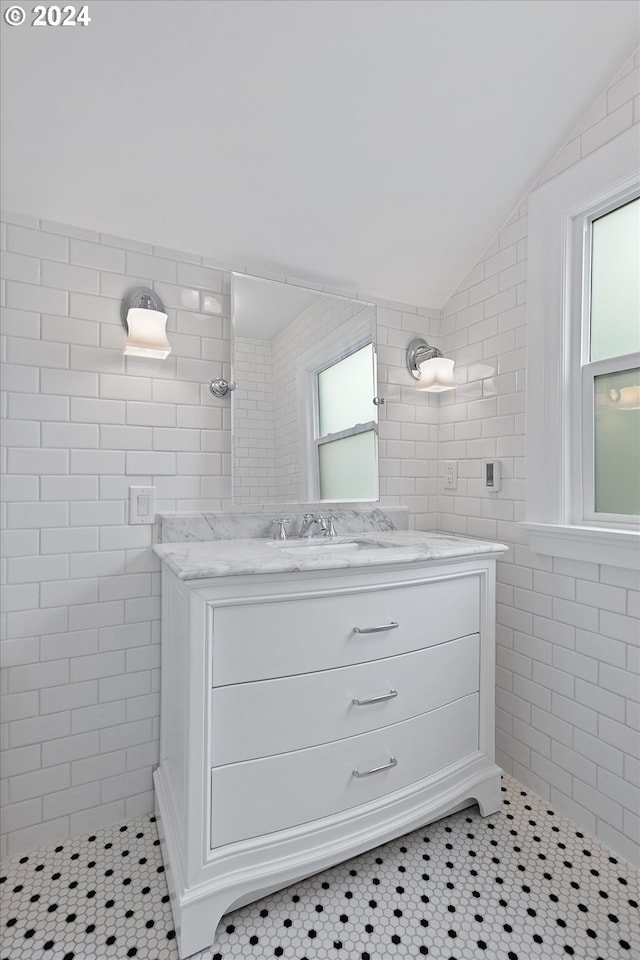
(147, 336)
(436, 375)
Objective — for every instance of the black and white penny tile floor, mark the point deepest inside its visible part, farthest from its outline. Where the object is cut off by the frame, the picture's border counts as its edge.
(519, 885)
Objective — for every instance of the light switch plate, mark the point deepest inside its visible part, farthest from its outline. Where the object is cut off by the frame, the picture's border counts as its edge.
(142, 504)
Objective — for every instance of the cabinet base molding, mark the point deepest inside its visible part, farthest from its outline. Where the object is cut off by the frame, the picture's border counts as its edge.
(239, 873)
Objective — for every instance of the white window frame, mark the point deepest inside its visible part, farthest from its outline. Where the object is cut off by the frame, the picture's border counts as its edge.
(584, 372)
(319, 358)
(348, 431)
(559, 384)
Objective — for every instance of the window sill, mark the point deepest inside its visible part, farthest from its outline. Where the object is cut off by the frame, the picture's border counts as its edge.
(617, 548)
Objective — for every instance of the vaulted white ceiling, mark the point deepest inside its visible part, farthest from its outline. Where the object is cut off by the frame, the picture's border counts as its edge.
(374, 145)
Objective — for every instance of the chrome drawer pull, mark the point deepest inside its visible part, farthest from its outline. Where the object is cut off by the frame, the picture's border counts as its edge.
(367, 773)
(381, 699)
(380, 629)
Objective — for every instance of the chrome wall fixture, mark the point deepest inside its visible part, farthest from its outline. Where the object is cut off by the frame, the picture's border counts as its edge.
(145, 321)
(219, 387)
(427, 365)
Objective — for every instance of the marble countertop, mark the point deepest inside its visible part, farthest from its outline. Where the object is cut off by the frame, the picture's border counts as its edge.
(222, 558)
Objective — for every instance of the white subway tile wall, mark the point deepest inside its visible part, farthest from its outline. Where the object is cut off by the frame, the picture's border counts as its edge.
(80, 614)
(568, 679)
(254, 449)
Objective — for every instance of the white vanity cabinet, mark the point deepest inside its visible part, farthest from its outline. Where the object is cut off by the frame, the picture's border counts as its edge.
(309, 716)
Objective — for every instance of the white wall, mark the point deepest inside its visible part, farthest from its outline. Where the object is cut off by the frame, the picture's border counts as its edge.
(80, 650)
(568, 632)
(80, 629)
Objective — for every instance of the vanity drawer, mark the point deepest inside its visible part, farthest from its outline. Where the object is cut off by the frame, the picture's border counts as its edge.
(315, 708)
(261, 796)
(256, 641)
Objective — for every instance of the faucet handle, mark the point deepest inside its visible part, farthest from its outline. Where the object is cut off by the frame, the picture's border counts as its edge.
(326, 525)
(281, 529)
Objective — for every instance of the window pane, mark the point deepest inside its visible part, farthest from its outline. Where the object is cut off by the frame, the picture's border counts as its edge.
(349, 468)
(346, 391)
(615, 282)
(617, 443)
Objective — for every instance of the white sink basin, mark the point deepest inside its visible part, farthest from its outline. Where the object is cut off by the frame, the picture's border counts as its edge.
(317, 545)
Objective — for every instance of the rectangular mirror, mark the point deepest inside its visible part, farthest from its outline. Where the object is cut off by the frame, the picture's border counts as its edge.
(304, 412)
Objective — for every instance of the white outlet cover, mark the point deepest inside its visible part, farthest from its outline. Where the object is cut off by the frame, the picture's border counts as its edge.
(450, 475)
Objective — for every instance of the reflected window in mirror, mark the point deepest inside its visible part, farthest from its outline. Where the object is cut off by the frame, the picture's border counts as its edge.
(304, 425)
(347, 428)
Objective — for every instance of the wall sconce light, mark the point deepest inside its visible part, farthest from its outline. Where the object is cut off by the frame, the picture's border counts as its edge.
(145, 321)
(427, 365)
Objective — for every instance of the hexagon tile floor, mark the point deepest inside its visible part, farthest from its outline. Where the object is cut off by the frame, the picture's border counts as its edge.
(518, 885)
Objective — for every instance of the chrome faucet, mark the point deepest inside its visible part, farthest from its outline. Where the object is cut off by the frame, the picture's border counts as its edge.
(325, 525)
(308, 519)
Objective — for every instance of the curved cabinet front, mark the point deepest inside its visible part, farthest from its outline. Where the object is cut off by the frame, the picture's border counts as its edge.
(295, 733)
(319, 633)
(323, 704)
(262, 796)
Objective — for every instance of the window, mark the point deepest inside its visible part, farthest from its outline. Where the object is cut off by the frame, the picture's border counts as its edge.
(346, 428)
(583, 364)
(609, 376)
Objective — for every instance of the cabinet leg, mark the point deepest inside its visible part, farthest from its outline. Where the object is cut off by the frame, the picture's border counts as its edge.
(198, 923)
(488, 795)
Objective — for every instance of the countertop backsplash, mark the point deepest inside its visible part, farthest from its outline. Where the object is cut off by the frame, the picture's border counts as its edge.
(176, 528)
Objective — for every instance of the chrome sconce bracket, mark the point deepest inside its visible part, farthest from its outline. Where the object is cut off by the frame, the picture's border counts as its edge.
(219, 387)
(417, 352)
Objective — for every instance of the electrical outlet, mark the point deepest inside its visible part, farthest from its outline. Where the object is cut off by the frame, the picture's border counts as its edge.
(450, 475)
